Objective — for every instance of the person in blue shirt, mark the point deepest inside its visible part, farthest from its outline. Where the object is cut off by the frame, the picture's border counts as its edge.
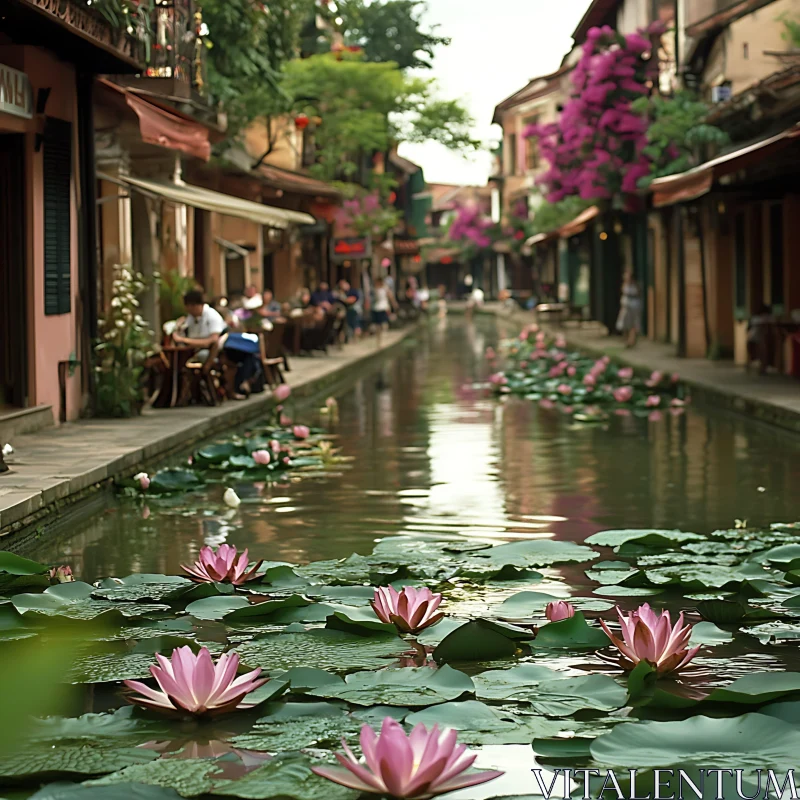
(354, 304)
(323, 296)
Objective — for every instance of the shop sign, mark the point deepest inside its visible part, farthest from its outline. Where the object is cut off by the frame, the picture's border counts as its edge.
(350, 248)
(16, 95)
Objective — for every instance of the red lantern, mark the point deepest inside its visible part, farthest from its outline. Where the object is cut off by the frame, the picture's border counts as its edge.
(392, 197)
(446, 260)
(301, 122)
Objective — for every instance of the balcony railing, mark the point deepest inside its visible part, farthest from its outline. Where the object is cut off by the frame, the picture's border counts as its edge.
(103, 23)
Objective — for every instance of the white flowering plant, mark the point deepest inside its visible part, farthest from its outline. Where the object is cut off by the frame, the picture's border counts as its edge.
(125, 343)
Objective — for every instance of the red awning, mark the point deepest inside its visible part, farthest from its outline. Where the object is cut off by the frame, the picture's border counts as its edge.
(698, 181)
(578, 225)
(167, 129)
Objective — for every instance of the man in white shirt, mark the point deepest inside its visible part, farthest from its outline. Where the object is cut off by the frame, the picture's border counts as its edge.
(202, 327)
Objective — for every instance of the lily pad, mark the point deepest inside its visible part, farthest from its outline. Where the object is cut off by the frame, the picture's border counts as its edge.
(172, 481)
(642, 540)
(358, 620)
(336, 651)
(128, 791)
(566, 696)
(287, 777)
(12, 564)
(708, 633)
(216, 607)
(72, 758)
(574, 633)
(189, 777)
(508, 684)
(480, 724)
(410, 687)
(752, 740)
(216, 454)
(476, 640)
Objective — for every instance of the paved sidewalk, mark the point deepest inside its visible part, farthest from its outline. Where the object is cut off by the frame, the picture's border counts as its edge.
(61, 464)
(771, 398)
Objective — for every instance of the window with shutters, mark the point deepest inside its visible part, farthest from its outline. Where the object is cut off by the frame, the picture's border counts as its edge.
(57, 216)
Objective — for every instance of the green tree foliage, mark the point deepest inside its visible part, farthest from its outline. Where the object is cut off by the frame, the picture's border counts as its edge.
(249, 43)
(677, 135)
(365, 106)
(791, 32)
(549, 216)
(391, 30)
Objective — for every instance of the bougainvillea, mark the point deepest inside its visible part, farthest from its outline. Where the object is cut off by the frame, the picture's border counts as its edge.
(472, 228)
(596, 148)
(367, 215)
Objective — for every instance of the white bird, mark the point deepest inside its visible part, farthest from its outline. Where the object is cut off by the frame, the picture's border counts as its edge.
(231, 498)
(7, 450)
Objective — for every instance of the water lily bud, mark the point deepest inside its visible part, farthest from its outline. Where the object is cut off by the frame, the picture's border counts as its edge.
(143, 479)
(558, 610)
(261, 457)
(231, 499)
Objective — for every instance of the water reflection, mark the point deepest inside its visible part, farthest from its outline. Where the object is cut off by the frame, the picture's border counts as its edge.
(435, 455)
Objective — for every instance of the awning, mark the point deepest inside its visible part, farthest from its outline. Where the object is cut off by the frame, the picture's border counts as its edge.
(205, 199)
(166, 129)
(578, 225)
(698, 181)
(541, 238)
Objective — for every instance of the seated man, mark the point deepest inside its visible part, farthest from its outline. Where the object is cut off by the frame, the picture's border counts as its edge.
(323, 296)
(202, 327)
(270, 308)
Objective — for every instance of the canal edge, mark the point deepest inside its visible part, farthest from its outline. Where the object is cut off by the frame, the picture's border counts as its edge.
(24, 512)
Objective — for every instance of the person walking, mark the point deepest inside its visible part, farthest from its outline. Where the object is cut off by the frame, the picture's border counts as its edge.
(383, 303)
(629, 321)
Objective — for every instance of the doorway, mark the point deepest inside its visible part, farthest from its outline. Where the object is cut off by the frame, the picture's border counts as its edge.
(13, 268)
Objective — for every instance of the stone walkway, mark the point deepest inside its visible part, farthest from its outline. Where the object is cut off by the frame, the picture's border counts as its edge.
(62, 464)
(771, 398)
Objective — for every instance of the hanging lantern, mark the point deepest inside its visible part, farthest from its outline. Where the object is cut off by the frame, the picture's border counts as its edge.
(301, 122)
(392, 197)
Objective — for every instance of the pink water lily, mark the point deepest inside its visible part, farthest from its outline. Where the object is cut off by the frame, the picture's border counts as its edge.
(589, 381)
(564, 389)
(301, 431)
(143, 479)
(62, 574)
(558, 610)
(261, 457)
(411, 610)
(498, 379)
(571, 371)
(655, 378)
(275, 446)
(194, 684)
(222, 566)
(560, 342)
(625, 374)
(421, 765)
(650, 636)
(653, 401)
(675, 377)
(281, 392)
(623, 394)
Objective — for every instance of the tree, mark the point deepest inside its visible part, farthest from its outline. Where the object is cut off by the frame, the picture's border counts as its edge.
(677, 133)
(249, 42)
(390, 30)
(365, 106)
(550, 216)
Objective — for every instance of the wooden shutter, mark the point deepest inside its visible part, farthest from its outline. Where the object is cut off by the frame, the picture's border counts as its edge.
(57, 216)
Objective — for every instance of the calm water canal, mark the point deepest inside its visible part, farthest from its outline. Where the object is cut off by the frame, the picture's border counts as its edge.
(433, 453)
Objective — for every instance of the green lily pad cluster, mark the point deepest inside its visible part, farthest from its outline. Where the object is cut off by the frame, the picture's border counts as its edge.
(542, 368)
(494, 669)
(267, 453)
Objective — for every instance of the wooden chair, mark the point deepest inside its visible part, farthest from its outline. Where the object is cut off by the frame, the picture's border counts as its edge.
(204, 380)
(272, 355)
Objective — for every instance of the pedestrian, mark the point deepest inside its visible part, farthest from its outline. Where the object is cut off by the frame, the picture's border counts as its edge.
(382, 304)
(759, 340)
(629, 321)
(354, 307)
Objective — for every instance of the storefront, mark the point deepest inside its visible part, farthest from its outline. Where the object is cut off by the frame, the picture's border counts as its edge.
(47, 219)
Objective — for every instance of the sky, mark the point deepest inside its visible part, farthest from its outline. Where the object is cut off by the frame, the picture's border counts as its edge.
(497, 47)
